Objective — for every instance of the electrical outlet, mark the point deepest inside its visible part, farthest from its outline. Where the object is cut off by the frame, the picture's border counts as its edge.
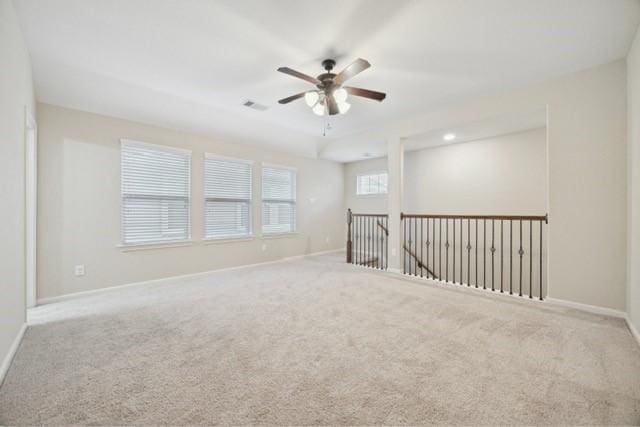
(264, 247)
(78, 270)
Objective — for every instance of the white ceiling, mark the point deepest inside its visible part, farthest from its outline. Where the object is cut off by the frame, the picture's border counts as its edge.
(190, 64)
(482, 129)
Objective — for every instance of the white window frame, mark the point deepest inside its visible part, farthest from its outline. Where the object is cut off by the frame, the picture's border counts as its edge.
(369, 173)
(221, 239)
(294, 202)
(158, 243)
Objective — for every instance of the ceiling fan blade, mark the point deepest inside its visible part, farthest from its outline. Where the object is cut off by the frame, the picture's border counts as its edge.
(332, 105)
(366, 93)
(356, 67)
(291, 98)
(299, 75)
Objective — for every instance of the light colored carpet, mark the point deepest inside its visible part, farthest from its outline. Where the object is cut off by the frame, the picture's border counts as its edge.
(315, 341)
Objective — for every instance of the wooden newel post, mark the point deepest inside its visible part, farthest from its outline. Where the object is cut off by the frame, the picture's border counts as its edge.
(349, 243)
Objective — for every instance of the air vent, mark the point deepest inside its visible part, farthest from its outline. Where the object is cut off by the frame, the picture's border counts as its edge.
(255, 106)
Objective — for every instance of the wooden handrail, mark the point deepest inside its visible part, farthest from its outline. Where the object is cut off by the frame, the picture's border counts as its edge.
(544, 218)
(370, 215)
(420, 264)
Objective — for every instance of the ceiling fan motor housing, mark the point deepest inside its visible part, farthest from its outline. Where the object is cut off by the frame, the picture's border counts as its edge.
(328, 64)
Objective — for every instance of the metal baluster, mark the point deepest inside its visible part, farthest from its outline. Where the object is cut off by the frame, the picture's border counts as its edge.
(501, 254)
(530, 259)
(374, 242)
(368, 258)
(433, 247)
(376, 222)
(541, 261)
(379, 241)
(404, 242)
(476, 252)
(386, 240)
(484, 253)
(421, 235)
(370, 241)
(454, 251)
(493, 251)
(415, 246)
(440, 250)
(428, 244)
(468, 252)
(461, 258)
(358, 240)
(412, 259)
(446, 245)
(521, 252)
(510, 257)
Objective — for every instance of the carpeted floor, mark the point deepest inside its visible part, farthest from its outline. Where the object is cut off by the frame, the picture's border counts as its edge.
(316, 341)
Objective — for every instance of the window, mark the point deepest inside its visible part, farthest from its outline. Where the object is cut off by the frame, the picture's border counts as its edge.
(372, 183)
(278, 200)
(155, 188)
(227, 192)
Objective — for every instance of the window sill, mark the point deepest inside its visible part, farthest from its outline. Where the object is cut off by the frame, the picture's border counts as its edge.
(221, 240)
(150, 246)
(279, 235)
(367, 196)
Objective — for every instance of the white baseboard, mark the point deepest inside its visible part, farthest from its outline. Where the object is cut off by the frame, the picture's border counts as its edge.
(588, 308)
(633, 329)
(4, 368)
(75, 295)
(487, 292)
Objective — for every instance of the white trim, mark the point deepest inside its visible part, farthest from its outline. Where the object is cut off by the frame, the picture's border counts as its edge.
(156, 146)
(6, 363)
(275, 165)
(208, 155)
(633, 329)
(588, 308)
(156, 245)
(75, 295)
(221, 240)
(30, 206)
(267, 236)
(524, 298)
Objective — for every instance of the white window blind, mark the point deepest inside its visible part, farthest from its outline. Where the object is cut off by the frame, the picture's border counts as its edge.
(227, 188)
(155, 188)
(372, 183)
(278, 200)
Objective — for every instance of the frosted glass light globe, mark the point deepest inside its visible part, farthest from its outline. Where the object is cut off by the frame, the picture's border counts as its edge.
(311, 98)
(343, 107)
(340, 95)
(319, 109)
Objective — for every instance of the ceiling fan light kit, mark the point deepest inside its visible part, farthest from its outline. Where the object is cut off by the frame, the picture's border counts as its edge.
(331, 96)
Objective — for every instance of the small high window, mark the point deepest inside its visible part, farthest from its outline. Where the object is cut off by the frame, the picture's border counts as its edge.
(372, 183)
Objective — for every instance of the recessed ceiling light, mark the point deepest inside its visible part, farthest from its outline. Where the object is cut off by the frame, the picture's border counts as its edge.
(449, 137)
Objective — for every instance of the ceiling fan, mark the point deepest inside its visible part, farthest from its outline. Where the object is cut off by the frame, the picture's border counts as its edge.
(331, 95)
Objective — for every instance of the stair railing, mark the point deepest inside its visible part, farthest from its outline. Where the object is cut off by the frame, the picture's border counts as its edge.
(453, 248)
(368, 239)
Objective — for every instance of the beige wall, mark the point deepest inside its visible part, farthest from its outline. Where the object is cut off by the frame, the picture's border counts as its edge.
(501, 175)
(587, 156)
(633, 114)
(363, 204)
(79, 206)
(16, 93)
